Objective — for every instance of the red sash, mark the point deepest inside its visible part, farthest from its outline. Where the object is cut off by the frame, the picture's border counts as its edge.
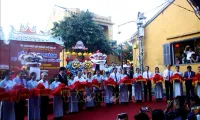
(176, 77)
(109, 82)
(4, 95)
(126, 81)
(139, 79)
(95, 83)
(157, 78)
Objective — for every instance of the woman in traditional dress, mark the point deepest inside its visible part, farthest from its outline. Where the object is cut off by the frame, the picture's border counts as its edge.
(73, 101)
(158, 87)
(108, 91)
(198, 84)
(33, 102)
(89, 101)
(57, 100)
(123, 90)
(138, 87)
(178, 87)
(8, 111)
(44, 100)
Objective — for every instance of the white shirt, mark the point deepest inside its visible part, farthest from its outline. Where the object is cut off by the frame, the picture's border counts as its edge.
(99, 78)
(81, 79)
(167, 74)
(136, 75)
(46, 83)
(7, 84)
(189, 54)
(117, 78)
(54, 84)
(147, 75)
(19, 81)
(32, 84)
(71, 82)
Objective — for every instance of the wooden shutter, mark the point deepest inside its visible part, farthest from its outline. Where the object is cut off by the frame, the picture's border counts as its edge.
(167, 56)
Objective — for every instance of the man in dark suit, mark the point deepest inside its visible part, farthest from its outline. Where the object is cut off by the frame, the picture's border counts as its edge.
(62, 75)
(63, 79)
(188, 75)
(130, 74)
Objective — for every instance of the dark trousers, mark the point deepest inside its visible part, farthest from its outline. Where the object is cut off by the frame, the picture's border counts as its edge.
(147, 90)
(116, 93)
(130, 92)
(58, 118)
(20, 108)
(189, 89)
(98, 98)
(44, 107)
(169, 90)
(80, 100)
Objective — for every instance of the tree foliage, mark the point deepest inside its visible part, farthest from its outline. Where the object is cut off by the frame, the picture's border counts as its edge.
(126, 51)
(81, 27)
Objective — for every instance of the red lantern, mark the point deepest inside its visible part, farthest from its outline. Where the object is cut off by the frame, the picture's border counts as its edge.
(67, 59)
(177, 45)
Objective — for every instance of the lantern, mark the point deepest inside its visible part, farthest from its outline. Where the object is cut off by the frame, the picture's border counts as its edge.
(79, 54)
(68, 53)
(90, 54)
(73, 53)
(177, 45)
(85, 54)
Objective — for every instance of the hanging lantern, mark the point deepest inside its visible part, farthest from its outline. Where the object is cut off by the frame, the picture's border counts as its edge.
(79, 54)
(85, 54)
(90, 54)
(73, 53)
(177, 45)
(68, 53)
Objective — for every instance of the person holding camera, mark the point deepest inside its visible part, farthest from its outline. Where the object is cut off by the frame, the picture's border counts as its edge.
(188, 51)
(178, 109)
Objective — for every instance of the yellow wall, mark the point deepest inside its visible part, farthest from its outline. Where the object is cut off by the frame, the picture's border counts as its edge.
(173, 21)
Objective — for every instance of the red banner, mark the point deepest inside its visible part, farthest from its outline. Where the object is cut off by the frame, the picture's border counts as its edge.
(176, 77)
(139, 79)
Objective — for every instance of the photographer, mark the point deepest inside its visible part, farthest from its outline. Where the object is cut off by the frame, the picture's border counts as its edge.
(156, 114)
(194, 103)
(179, 111)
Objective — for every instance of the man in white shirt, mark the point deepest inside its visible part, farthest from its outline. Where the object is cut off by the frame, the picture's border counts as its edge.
(116, 78)
(147, 87)
(20, 106)
(188, 53)
(168, 85)
(98, 91)
(80, 96)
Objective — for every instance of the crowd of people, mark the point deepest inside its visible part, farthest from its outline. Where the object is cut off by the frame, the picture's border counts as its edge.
(93, 97)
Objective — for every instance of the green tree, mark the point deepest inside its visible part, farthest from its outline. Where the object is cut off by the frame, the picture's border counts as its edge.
(82, 27)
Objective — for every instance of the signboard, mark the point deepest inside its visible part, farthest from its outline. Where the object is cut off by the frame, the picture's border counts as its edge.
(49, 51)
(4, 55)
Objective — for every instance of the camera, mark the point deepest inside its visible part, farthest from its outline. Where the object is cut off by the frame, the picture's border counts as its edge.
(145, 109)
(122, 116)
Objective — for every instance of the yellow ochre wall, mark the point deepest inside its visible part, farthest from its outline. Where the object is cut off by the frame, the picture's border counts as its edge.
(173, 21)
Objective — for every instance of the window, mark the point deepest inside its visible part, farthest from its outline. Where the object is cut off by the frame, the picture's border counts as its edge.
(196, 6)
(187, 51)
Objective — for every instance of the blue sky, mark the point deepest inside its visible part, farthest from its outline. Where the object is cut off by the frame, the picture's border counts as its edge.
(37, 12)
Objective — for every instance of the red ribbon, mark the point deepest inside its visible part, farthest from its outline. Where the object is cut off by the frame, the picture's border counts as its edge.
(109, 82)
(139, 79)
(157, 78)
(126, 80)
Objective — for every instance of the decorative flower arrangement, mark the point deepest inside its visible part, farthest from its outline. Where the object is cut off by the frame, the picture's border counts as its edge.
(76, 64)
(87, 64)
(30, 58)
(98, 58)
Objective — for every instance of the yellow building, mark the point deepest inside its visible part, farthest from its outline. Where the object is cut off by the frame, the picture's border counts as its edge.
(106, 22)
(168, 33)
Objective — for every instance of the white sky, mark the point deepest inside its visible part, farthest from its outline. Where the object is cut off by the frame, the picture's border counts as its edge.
(37, 12)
